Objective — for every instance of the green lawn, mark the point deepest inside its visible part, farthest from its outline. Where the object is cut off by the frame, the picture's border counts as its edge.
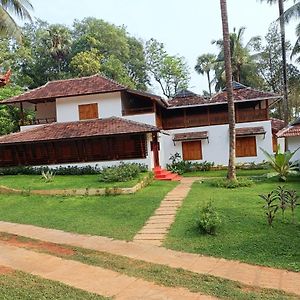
(223, 173)
(119, 217)
(35, 182)
(22, 286)
(244, 234)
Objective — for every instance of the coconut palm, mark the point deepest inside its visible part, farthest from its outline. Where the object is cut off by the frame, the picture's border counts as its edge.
(283, 15)
(205, 64)
(231, 111)
(20, 8)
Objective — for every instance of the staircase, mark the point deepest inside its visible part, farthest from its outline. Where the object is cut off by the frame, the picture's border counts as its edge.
(162, 174)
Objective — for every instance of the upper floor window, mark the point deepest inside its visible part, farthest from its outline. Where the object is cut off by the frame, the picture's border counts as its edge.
(88, 111)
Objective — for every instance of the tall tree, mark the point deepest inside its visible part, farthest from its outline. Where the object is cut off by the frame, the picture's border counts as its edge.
(284, 58)
(170, 72)
(231, 175)
(20, 8)
(205, 64)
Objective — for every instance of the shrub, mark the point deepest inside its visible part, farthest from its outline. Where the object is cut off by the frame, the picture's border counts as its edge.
(231, 184)
(209, 219)
(48, 176)
(119, 173)
(271, 206)
(68, 170)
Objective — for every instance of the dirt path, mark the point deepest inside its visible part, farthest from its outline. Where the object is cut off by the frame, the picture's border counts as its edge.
(89, 278)
(157, 227)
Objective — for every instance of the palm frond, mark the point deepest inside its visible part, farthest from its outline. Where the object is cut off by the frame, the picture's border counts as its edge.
(19, 7)
(8, 26)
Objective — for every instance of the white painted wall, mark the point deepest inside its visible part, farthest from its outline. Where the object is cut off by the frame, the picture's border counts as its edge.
(293, 143)
(108, 105)
(143, 118)
(216, 149)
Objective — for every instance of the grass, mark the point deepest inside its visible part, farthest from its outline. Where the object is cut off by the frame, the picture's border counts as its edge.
(223, 173)
(22, 286)
(119, 217)
(35, 182)
(244, 234)
(162, 275)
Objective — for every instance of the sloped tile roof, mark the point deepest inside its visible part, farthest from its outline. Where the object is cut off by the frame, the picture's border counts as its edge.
(290, 131)
(240, 93)
(79, 129)
(70, 87)
(246, 131)
(189, 136)
(277, 125)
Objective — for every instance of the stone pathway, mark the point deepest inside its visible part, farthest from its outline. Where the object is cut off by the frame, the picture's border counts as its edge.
(157, 227)
(89, 278)
(255, 276)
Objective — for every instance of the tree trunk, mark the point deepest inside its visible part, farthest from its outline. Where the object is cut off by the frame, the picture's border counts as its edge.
(209, 83)
(231, 175)
(284, 71)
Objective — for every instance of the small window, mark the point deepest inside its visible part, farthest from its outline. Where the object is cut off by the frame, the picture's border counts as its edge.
(246, 146)
(88, 111)
(192, 150)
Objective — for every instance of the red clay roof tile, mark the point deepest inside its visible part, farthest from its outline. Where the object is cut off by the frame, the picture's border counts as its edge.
(290, 131)
(79, 129)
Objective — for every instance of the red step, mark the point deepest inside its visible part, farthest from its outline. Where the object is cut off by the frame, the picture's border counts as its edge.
(162, 174)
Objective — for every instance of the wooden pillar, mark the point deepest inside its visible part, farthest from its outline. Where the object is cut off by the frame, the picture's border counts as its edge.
(155, 149)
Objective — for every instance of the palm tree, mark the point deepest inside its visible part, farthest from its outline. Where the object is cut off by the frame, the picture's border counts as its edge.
(231, 175)
(20, 8)
(205, 64)
(282, 16)
(241, 59)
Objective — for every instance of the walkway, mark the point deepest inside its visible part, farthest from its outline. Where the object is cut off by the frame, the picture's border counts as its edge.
(157, 227)
(89, 278)
(233, 270)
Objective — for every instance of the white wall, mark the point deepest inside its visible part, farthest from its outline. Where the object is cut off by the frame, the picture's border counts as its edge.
(216, 149)
(143, 118)
(108, 105)
(293, 143)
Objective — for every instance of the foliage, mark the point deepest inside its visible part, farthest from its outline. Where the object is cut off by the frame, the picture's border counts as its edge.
(209, 219)
(69, 170)
(8, 26)
(180, 166)
(170, 72)
(231, 184)
(280, 198)
(281, 163)
(271, 206)
(119, 173)
(48, 176)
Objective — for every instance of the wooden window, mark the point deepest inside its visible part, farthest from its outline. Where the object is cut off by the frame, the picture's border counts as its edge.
(192, 150)
(246, 146)
(275, 143)
(88, 111)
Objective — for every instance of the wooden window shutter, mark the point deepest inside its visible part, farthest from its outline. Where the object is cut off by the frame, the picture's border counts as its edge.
(192, 150)
(88, 111)
(275, 143)
(246, 146)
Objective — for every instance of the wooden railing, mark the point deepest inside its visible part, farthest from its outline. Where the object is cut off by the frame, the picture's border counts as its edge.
(251, 115)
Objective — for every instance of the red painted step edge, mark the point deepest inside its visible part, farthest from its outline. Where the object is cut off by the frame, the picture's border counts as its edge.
(162, 174)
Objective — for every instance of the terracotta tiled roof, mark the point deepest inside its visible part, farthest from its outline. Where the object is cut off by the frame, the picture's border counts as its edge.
(240, 94)
(70, 87)
(79, 129)
(249, 131)
(277, 125)
(189, 136)
(290, 131)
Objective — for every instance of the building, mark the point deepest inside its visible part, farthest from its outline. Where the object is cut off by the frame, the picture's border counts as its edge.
(291, 134)
(94, 120)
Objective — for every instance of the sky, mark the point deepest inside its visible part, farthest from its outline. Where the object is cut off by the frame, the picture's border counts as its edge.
(185, 27)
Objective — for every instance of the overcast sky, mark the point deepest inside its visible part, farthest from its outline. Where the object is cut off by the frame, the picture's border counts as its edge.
(185, 27)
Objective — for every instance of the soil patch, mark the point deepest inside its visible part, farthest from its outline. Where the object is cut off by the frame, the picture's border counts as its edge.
(5, 270)
(15, 240)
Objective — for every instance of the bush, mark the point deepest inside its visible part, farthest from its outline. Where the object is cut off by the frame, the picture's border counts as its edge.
(209, 219)
(231, 184)
(69, 170)
(119, 173)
